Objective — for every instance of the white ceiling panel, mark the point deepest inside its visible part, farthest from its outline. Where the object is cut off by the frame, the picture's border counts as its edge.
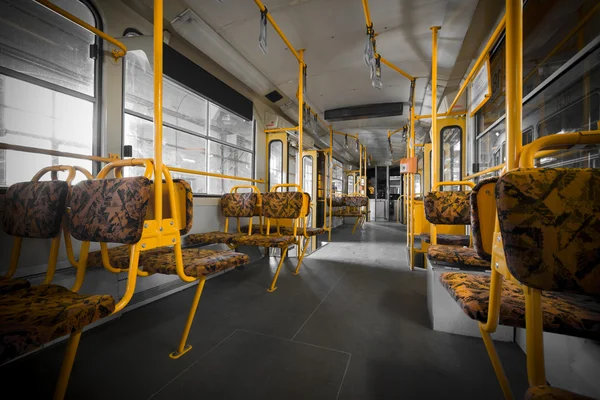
(333, 34)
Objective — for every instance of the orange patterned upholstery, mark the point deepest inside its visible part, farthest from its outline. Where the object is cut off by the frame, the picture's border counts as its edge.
(563, 313)
(550, 225)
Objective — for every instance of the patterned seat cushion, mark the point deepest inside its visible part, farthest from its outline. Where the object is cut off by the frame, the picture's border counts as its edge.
(119, 256)
(264, 240)
(33, 317)
(447, 239)
(457, 257)
(564, 313)
(552, 393)
(483, 219)
(550, 224)
(309, 231)
(448, 208)
(201, 239)
(284, 205)
(356, 201)
(239, 205)
(196, 262)
(10, 285)
(34, 209)
(109, 210)
(286, 230)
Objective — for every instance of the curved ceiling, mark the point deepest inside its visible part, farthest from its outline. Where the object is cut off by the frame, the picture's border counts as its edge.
(332, 32)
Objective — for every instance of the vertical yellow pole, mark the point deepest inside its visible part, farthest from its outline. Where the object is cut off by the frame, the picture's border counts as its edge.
(360, 167)
(330, 159)
(411, 233)
(158, 115)
(514, 81)
(435, 142)
(300, 115)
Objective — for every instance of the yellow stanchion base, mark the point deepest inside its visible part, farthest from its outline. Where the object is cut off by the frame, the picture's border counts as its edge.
(175, 355)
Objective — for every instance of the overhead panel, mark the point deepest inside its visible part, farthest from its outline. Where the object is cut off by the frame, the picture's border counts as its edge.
(364, 112)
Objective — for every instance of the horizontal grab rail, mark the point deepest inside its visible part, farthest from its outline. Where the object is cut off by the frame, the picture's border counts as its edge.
(484, 172)
(27, 149)
(211, 174)
(116, 53)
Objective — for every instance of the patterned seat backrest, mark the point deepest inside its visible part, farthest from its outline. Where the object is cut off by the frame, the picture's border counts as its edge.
(356, 201)
(282, 204)
(109, 210)
(239, 205)
(336, 201)
(483, 218)
(448, 208)
(550, 225)
(35, 209)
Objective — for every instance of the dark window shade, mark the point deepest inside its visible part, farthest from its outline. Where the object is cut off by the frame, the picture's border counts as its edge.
(181, 69)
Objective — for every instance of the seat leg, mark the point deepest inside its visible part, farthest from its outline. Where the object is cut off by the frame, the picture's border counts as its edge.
(301, 256)
(182, 348)
(273, 287)
(67, 366)
(496, 363)
(355, 225)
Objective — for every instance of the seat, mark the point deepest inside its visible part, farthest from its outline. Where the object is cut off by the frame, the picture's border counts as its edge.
(36, 316)
(108, 210)
(286, 230)
(33, 210)
(196, 262)
(564, 313)
(546, 273)
(233, 205)
(456, 257)
(463, 208)
(447, 239)
(552, 393)
(264, 240)
(202, 239)
(8, 285)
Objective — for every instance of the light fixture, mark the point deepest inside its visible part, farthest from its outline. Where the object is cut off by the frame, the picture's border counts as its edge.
(346, 141)
(376, 78)
(193, 29)
(404, 131)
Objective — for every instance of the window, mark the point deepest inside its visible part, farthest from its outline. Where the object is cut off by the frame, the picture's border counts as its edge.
(350, 182)
(275, 163)
(197, 134)
(307, 177)
(338, 176)
(48, 86)
(451, 162)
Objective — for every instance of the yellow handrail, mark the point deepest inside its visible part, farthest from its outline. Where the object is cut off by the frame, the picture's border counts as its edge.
(279, 130)
(529, 153)
(453, 183)
(369, 23)
(477, 64)
(116, 53)
(262, 8)
(194, 172)
(484, 172)
(446, 114)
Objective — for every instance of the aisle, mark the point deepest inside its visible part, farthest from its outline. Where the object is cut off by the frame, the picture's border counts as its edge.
(352, 325)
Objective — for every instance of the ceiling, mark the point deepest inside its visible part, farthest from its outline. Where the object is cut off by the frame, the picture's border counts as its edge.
(332, 32)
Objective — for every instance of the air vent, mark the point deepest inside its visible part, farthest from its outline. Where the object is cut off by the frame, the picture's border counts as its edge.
(364, 111)
(274, 96)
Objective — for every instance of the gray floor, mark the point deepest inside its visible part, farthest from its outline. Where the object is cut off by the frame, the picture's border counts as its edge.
(352, 325)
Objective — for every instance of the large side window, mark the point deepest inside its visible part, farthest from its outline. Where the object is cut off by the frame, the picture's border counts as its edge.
(451, 162)
(49, 91)
(197, 134)
(338, 176)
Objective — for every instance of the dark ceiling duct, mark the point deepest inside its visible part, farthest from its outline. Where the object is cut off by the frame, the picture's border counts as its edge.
(364, 111)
